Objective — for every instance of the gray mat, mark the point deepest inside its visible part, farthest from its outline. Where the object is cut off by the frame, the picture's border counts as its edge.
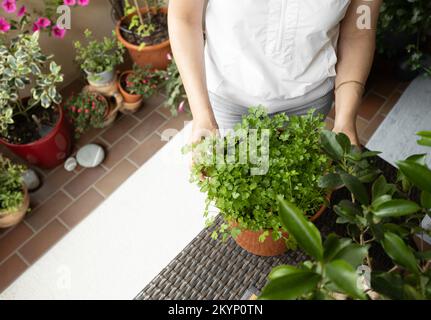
(396, 136)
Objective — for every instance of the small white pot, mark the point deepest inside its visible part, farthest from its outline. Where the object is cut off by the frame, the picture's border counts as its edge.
(100, 79)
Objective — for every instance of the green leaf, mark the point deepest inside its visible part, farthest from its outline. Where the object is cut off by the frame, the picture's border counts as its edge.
(345, 278)
(331, 145)
(418, 174)
(291, 286)
(381, 200)
(399, 252)
(389, 285)
(344, 142)
(425, 138)
(356, 188)
(396, 208)
(426, 199)
(380, 187)
(306, 234)
(330, 181)
(354, 254)
(282, 271)
(333, 245)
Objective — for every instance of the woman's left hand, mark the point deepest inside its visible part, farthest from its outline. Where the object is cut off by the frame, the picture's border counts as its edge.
(350, 131)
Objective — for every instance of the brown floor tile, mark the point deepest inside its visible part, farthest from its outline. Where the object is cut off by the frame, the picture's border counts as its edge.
(10, 270)
(119, 129)
(84, 180)
(88, 137)
(148, 126)
(119, 150)
(390, 103)
(14, 239)
(116, 177)
(361, 125)
(165, 112)
(41, 242)
(331, 114)
(81, 208)
(372, 127)
(147, 149)
(370, 106)
(52, 183)
(177, 123)
(403, 86)
(39, 217)
(149, 106)
(386, 86)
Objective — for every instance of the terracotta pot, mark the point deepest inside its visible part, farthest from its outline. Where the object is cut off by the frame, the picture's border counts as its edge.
(154, 55)
(11, 218)
(128, 97)
(249, 240)
(51, 150)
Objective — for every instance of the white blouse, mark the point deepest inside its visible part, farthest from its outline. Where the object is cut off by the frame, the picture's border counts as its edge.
(272, 52)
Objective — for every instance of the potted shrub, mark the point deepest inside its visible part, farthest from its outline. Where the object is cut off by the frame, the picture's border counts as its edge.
(136, 85)
(90, 109)
(98, 59)
(177, 98)
(32, 127)
(14, 198)
(286, 162)
(379, 215)
(144, 32)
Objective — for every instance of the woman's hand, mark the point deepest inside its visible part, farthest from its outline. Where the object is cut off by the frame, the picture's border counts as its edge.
(202, 128)
(350, 131)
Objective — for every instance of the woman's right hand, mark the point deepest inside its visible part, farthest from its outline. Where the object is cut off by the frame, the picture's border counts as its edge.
(202, 128)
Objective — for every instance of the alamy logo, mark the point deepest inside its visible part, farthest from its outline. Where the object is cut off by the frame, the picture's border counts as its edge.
(364, 20)
(64, 20)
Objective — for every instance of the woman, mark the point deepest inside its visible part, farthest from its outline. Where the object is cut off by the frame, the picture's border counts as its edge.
(287, 55)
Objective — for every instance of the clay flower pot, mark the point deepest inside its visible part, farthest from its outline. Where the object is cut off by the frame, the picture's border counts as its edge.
(249, 240)
(154, 55)
(131, 102)
(11, 218)
(50, 151)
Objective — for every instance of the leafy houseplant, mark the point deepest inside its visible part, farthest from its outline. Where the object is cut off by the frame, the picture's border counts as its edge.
(144, 32)
(177, 97)
(99, 58)
(14, 200)
(408, 22)
(142, 82)
(291, 160)
(383, 215)
(87, 110)
(26, 120)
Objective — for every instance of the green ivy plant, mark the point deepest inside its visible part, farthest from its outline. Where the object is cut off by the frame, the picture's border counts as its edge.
(23, 65)
(11, 185)
(294, 165)
(99, 56)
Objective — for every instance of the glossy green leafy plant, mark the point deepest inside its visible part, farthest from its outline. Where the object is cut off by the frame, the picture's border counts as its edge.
(293, 163)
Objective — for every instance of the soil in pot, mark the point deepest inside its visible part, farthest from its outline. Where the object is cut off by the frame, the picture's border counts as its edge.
(35, 126)
(159, 35)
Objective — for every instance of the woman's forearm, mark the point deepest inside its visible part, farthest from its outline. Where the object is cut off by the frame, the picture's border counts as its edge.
(185, 32)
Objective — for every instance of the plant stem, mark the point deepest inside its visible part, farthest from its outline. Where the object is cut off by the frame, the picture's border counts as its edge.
(147, 7)
(362, 242)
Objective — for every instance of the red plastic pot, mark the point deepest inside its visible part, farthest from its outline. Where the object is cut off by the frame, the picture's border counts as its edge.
(50, 151)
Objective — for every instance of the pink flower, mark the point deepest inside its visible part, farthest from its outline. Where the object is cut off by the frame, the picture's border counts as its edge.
(58, 32)
(70, 2)
(4, 25)
(22, 11)
(43, 22)
(169, 56)
(83, 3)
(79, 110)
(182, 106)
(9, 6)
(35, 27)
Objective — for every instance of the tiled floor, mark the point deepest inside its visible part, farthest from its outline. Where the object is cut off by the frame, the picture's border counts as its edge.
(67, 198)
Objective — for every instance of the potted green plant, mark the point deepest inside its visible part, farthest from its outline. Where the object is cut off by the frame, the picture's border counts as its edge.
(177, 98)
(14, 198)
(244, 181)
(32, 127)
(98, 59)
(90, 109)
(138, 84)
(378, 215)
(144, 32)
(403, 33)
